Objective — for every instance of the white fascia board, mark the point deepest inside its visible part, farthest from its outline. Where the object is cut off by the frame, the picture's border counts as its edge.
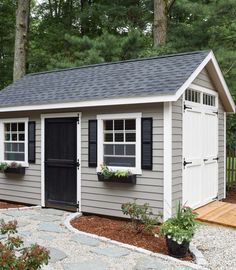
(93, 103)
(222, 80)
(193, 76)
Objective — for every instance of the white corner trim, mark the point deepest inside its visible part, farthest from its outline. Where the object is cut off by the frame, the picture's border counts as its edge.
(163, 257)
(60, 115)
(225, 157)
(167, 211)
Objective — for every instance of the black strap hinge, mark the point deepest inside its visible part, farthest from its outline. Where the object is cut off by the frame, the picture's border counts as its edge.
(217, 158)
(187, 107)
(186, 163)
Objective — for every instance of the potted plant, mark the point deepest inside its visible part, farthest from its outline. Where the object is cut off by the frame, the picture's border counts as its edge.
(13, 167)
(119, 176)
(179, 231)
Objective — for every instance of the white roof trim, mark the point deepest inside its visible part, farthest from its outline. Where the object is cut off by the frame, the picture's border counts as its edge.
(92, 103)
(132, 100)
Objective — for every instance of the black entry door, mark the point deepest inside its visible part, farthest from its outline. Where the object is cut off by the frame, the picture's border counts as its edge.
(61, 163)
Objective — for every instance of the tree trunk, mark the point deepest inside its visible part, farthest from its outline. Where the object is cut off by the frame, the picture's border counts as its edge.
(160, 22)
(22, 20)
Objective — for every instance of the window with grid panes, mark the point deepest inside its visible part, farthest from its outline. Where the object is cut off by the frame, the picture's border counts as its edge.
(14, 141)
(119, 142)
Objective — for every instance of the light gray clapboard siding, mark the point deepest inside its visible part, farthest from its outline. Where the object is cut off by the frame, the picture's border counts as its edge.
(204, 80)
(221, 152)
(177, 145)
(26, 189)
(106, 199)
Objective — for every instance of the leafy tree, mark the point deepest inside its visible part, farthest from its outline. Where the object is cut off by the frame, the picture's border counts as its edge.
(7, 32)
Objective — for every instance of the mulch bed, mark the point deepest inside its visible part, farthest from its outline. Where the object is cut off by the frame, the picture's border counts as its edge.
(6, 205)
(230, 197)
(120, 230)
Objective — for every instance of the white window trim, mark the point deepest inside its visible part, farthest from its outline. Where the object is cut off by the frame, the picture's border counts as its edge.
(24, 163)
(100, 119)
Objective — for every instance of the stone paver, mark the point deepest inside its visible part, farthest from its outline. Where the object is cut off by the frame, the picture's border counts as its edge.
(70, 251)
(113, 252)
(50, 227)
(87, 265)
(85, 240)
(56, 255)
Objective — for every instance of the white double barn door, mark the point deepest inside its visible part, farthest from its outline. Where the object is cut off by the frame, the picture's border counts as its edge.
(200, 151)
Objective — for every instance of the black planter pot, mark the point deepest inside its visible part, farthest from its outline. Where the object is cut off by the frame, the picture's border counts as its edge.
(175, 249)
(18, 170)
(131, 179)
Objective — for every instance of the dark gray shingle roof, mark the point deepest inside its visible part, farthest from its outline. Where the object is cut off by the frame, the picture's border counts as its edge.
(134, 78)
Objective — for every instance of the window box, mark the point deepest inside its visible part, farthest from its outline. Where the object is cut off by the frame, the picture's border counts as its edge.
(130, 179)
(18, 170)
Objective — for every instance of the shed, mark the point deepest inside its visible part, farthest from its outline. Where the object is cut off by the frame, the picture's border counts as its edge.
(162, 118)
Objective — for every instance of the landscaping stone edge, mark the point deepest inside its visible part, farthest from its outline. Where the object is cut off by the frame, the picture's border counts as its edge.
(201, 262)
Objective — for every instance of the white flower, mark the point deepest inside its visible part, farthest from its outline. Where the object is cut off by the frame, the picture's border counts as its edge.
(168, 236)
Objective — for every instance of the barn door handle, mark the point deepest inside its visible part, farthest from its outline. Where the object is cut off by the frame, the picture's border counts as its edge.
(186, 163)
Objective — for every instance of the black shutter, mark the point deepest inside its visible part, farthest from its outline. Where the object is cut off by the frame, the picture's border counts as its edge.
(92, 140)
(146, 144)
(31, 142)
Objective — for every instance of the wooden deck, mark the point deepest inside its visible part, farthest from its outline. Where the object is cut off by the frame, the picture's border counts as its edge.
(221, 213)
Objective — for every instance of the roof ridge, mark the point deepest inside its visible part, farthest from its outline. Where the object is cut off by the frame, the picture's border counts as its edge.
(119, 62)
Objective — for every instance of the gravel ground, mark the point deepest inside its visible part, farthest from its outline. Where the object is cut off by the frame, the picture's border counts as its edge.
(218, 245)
(46, 227)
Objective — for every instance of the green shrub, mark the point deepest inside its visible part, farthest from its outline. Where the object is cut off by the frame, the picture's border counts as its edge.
(182, 226)
(141, 216)
(32, 258)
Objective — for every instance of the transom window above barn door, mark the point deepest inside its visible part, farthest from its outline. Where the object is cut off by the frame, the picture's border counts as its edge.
(120, 140)
(198, 97)
(14, 135)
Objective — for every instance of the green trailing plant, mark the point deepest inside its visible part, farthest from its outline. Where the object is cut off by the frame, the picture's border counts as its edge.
(13, 256)
(182, 226)
(107, 173)
(4, 165)
(142, 217)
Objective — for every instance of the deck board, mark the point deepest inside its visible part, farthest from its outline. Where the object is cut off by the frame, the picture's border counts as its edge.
(221, 213)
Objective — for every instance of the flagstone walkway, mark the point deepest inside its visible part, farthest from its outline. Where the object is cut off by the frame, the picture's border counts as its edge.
(70, 251)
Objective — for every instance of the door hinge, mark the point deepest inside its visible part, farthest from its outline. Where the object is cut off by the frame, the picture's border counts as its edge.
(78, 206)
(78, 119)
(216, 112)
(187, 107)
(217, 158)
